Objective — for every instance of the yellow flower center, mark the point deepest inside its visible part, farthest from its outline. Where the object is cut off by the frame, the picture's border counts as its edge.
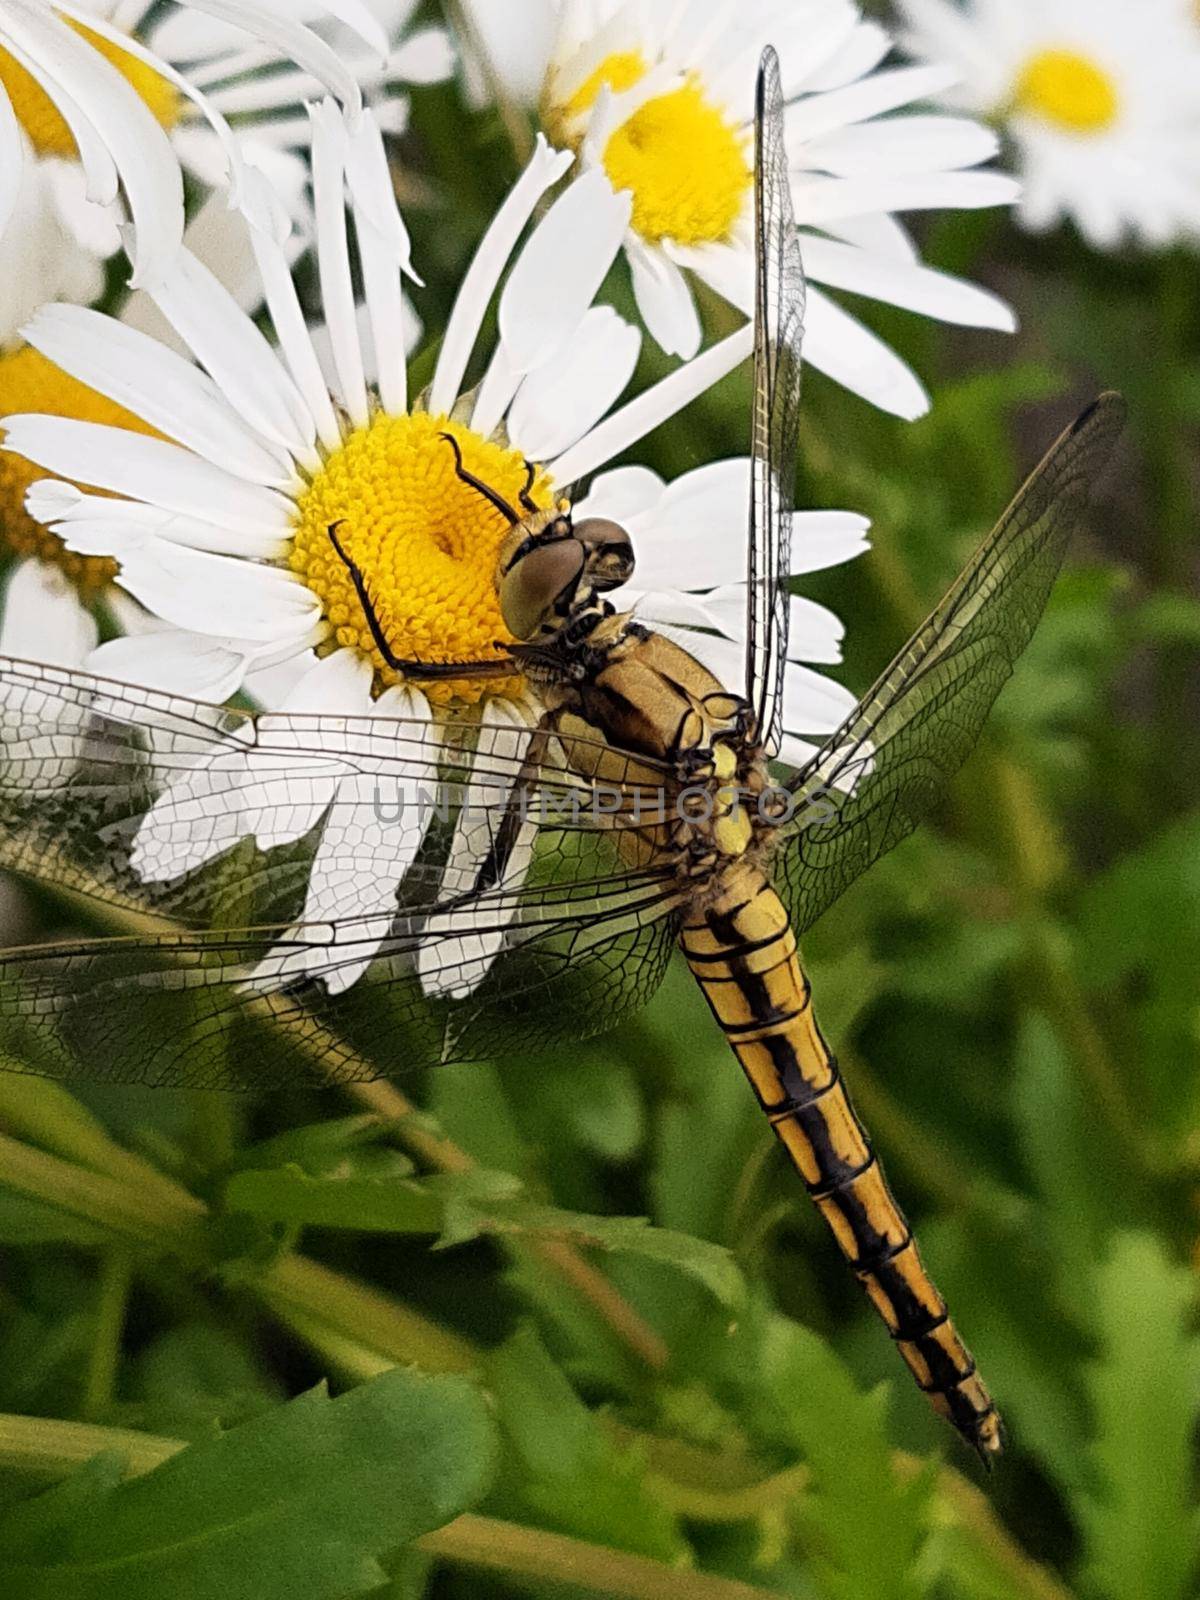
(40, 117)
(685, 164)
(616, 72)
(1067, 89)
(28, 382)
(425, 542)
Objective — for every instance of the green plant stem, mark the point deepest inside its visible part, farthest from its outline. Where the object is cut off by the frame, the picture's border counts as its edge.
(486, 1544)
(46, 1114)
(294, 1283)
(214, 1137)
(112, 1299)
(516, 123)
(52, 1449)
(132, 1215)
(622, 1319)
(362, 1315)
(960, 1502)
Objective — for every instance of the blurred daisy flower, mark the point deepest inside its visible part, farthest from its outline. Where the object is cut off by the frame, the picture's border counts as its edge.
(660, 99)
(1101, 100)
(88, 111)
(247, 457)
(263, 93)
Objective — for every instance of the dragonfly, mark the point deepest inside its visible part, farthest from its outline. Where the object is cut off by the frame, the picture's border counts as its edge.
(553, 874)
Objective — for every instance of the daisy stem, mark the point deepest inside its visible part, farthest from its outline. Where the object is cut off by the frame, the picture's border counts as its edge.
(112, 1298)
(386, 1101)
(516, 123)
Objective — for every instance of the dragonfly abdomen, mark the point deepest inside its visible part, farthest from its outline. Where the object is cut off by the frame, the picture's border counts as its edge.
(742, 951)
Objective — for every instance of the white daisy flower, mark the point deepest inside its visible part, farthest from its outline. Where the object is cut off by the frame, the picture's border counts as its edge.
(661, 100)
(1101, 100)
(82, 96)
(263, 94)
(223, 531)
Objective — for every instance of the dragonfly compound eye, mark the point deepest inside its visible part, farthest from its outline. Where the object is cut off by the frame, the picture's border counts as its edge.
(539, 586)
(609, 552)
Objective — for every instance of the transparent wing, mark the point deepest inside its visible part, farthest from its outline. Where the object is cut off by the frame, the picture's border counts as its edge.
(396, 890)
(778, 334)
(891, 760)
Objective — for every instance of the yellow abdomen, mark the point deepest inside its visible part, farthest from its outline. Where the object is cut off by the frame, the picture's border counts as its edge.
(740, 946)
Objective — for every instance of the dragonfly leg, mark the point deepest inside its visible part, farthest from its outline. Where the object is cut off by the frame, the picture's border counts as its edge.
(485, 489)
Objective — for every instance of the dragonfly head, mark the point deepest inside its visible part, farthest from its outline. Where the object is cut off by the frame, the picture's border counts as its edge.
(549, 564)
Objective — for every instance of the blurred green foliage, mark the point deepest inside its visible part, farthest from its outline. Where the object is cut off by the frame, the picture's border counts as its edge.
(704, 1406)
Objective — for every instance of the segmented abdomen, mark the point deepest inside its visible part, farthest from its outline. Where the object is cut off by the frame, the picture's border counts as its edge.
(741, 948)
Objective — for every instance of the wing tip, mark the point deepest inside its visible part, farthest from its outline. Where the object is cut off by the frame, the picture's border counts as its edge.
(1109, 406)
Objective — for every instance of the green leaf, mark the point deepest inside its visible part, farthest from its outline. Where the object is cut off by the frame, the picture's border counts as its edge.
(459, 1207)
(1140, 1525)
(1072, 1155)
(302, 1501)
(199, 1378)
(568, 1472)
(865, 1524)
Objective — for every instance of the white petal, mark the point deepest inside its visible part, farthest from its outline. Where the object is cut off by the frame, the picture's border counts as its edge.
(727, 268)
(555, 407)
(813, 703)
(145, 469)
(883, 91)
(85, 85)
(333, 257)
(368, 842)
(795, 752)
(190, 664)
(820, 200)
(39, 258)
(621, 494)
(459, 947)
(862, 52)
(837, 344)
(518, 55)
(298, 43)
(219, 595)
(12, 161)
(695, 536)
(904, 144)
(384, 251)
(642, 415)
(242, 364)
(99, 525)
(158, 386)
(274, 791)
(664, 300)
(822, 539)
(96, 229)
(44, 619)
(560, 269)
(545, 167)
(291, 329)
(426, 56)
(916, 288)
